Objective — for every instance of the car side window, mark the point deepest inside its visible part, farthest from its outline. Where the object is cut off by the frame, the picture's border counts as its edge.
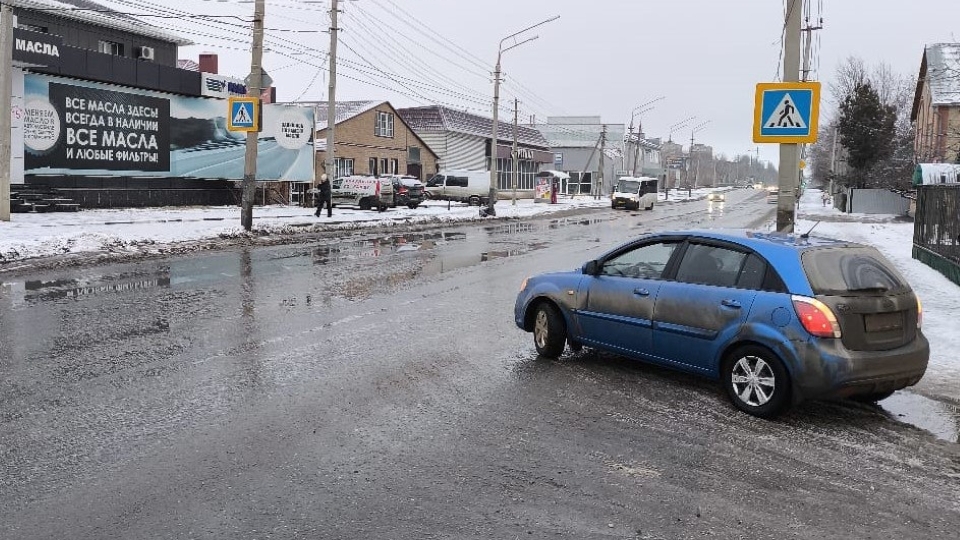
(457, 181)
(644, 262)
(710, 265)
(751, 275)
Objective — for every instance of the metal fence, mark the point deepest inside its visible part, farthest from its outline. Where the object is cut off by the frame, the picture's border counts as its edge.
(936, 233)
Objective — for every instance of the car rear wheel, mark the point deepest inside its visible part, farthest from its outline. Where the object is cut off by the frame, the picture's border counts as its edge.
(549, 331)
(412, 206)
(756, 382)
(365, 204)
(474, 201)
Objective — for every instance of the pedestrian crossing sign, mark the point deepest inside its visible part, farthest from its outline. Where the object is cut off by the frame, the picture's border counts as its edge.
(786, 112)
(243, 114)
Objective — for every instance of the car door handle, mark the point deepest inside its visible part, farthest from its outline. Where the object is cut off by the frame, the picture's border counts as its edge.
(641, 292)
(731, 304)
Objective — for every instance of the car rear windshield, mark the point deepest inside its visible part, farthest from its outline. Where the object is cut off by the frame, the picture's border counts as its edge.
(851, 270)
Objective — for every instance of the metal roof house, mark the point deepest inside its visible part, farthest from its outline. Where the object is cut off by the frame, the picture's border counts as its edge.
(462, 141)
(936, 104)
(371, 138)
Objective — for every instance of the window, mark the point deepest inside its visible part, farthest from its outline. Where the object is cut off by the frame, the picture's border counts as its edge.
(394, 166)
(526, 177)
(33, 28)
(436, 181)
(711, 265)
(372, 166)
(413, 154)
(384, 127)
(344, 167)
(384, 169)
(456, 181)
(111, 47)
(645, 262)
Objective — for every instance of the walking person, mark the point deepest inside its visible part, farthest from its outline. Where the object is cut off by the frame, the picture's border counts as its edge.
(324, 197)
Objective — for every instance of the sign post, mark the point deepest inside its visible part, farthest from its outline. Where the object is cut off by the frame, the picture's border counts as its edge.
(787, 113)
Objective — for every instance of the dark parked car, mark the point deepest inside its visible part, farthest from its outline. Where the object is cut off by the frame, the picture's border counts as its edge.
(407, 191)
(776, 318)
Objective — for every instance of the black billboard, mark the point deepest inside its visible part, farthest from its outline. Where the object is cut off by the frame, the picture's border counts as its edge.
(108, 130)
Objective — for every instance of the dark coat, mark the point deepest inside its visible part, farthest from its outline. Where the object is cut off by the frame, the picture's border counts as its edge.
(324, 188)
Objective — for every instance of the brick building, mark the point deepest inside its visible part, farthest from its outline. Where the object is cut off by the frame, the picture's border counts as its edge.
(936, 105)
(371, 138)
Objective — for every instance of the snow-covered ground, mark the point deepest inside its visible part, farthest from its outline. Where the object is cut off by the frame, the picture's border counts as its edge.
(28, 236)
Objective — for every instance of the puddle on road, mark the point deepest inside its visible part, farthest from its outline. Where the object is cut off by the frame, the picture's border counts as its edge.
(39, 290)
(940, 419)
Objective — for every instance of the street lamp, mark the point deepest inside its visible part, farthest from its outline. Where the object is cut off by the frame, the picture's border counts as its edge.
(496, 107)
(696, 129)
(679, 125)
(639, 110)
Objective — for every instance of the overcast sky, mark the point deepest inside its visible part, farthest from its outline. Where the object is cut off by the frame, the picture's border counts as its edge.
(601, 57)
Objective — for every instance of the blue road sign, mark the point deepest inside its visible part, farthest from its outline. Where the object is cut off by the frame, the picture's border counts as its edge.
(786, 112)
(243, 114)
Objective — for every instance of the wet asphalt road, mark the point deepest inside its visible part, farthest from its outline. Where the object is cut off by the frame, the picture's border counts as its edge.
(376, 387)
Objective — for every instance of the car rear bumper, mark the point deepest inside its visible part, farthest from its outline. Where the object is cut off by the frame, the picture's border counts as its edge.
(832, 371)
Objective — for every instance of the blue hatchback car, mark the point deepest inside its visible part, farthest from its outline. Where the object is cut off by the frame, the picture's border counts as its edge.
(776, 318)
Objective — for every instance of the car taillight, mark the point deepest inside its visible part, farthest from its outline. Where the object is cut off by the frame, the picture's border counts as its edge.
(919, 313)
(403, 191)
(816, 317)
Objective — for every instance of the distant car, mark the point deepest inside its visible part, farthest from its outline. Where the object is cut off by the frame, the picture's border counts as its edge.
(716, 197)
(773, 195)
(776, 318)
(407, 191)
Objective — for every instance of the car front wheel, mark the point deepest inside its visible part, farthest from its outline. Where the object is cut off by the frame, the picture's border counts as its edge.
(549, 331)
(756, 382)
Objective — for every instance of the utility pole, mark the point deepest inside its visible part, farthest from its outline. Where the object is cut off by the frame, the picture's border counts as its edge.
(637, 151)
(790, 153)
(603, 146)
(330, 160)
(808, 42)
(253, 90)
(516, 161)
(6, 91)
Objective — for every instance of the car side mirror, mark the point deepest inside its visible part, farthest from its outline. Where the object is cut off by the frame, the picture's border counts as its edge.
(591, 268)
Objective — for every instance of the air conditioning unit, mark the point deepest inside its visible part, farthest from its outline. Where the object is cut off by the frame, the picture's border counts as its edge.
(145, 53)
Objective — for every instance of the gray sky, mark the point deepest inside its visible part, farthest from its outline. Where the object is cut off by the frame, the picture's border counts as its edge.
(603, 57)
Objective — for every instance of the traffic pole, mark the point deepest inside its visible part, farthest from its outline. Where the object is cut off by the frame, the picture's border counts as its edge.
(790, 153)
(253, 89)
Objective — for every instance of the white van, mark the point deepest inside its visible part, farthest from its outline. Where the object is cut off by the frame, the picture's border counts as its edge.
(634, 192)
(364, 191)
(471, 187)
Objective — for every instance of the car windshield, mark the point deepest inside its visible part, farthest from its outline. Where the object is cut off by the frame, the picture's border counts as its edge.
(846, 270)
(437, 180)
(628, 186)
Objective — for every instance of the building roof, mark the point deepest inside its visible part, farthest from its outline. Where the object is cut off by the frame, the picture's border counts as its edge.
(100, 15)
(433, 118)
(943, 72)
(940, 69)
(347, 110)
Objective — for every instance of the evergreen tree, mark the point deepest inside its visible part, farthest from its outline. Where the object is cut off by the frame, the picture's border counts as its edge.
(867, 129)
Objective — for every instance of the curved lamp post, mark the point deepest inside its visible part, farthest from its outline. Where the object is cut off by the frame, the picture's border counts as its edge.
(638, 111)
(496, 108)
